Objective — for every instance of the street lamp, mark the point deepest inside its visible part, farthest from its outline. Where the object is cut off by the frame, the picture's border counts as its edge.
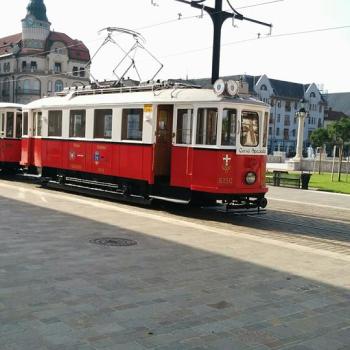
(301, 115)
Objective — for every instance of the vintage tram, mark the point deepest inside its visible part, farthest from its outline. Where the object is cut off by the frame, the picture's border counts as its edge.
(10, 136)
(166, 141)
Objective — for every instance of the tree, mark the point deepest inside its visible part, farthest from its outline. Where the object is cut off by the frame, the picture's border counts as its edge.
(318, 138)
(339, 132)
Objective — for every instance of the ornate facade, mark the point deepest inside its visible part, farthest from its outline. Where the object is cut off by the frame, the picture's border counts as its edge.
(39, 62)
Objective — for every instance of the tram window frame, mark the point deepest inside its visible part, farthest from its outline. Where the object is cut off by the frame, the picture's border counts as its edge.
(19, 117)
(2, 125)
(10, 127)
(253, 115)
(55, 123)
(181, 120)
(73, 131)
(202, 136)
(103, 123)
(229, 136)
(25, 124)
(127, 131)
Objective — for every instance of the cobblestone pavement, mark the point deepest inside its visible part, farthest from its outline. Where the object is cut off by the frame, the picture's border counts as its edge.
(199, 280)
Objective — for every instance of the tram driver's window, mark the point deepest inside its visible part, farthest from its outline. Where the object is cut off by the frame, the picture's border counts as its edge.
(9, 124)
(184, 126)
(132, 124)
(25, 124)
(103, 124)
(55, 124)
(77, 121)
(228, 134)
(207, 120)
(266, 128)
(250, 129)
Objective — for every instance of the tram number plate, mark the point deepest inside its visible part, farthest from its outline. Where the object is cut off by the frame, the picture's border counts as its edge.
(225, 181)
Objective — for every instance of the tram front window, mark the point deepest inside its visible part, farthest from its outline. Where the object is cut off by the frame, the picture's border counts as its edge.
(228, 134)
(250, 129)
(207, 121)
(266, 128)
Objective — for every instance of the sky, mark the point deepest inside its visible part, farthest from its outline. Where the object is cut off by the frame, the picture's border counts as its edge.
(184, 46)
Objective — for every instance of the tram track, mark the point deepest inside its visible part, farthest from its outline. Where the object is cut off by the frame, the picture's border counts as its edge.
(296, 230)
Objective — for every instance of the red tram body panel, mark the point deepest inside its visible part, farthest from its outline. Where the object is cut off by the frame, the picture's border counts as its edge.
(197, 144)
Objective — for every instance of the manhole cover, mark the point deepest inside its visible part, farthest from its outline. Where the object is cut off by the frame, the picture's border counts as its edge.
(113, 242)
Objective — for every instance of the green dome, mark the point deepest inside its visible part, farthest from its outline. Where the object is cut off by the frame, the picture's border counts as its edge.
(37, 9)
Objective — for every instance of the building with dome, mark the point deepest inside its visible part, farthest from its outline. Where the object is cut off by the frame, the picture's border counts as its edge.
(39, 62)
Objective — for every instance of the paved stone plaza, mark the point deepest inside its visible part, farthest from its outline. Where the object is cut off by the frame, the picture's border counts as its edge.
(200, 280)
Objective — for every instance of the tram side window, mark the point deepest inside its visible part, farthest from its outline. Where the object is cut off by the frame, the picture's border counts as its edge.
(184, 126)
(2, 124)
(77, 123)
(266, 128)
(9, 124)
(228, 134)
(55, 123)
(132, 124)
(18, 125)
(103, 124)
(40, 124)
(25, 124)
(250, 129)
(207, 120)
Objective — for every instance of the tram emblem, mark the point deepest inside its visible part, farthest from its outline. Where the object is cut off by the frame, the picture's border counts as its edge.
(226, 166)
(72, 155)
(97, 156)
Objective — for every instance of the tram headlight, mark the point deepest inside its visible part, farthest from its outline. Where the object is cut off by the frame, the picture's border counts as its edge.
(250, 178)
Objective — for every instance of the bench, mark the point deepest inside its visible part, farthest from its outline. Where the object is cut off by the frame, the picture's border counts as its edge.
(283, 179)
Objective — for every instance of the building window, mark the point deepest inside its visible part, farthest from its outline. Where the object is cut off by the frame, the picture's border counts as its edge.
(58, 85)
(184, 126)
(287, 120)
(263, 87)
(271, 118)
(132, 124)
(33, 66)
(49, 86)
(58, 67)
(103, 124)
(279, 104)
(312, 95)
(293, 132)
(7, 67)
(277, 131)
(278, 118)
(77, 123)
(75, 71)
(24, 66)
(55, 123)
(286, 134)
(228, 134)
(82, 72)
(287, 106)
(207, 120)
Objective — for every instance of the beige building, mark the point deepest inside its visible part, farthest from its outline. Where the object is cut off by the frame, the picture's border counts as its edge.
(39, 62)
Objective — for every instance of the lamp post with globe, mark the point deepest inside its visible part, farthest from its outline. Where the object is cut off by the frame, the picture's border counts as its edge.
(301, 114)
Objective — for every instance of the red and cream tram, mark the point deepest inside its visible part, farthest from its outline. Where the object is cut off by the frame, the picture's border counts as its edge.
(170, 142)
(10, 135)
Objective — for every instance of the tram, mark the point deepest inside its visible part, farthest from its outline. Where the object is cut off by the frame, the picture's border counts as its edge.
(166, 140)
(10, 136)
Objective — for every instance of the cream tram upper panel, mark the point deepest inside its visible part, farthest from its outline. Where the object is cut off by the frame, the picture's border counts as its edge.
(168, 96)
(7, 105)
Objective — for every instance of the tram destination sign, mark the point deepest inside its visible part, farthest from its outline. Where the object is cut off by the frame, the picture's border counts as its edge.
(252, 150)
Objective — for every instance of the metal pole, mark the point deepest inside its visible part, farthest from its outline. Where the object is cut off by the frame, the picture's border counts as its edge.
(217, 22)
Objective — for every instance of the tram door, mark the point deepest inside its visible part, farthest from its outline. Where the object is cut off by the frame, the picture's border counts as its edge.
(162, 151)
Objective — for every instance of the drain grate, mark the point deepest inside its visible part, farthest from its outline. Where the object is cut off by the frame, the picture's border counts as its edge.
(113, 242)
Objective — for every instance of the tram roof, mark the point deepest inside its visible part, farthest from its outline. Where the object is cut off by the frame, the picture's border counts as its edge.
(164, 96)
(4, 105)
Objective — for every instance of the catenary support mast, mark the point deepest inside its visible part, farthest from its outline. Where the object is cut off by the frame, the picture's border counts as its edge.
(218, 17)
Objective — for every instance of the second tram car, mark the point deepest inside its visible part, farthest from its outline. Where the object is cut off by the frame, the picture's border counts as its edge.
(10, 135)
(170, 142)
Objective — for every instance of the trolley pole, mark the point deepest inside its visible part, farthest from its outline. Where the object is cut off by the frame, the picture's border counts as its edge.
(218, 17)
